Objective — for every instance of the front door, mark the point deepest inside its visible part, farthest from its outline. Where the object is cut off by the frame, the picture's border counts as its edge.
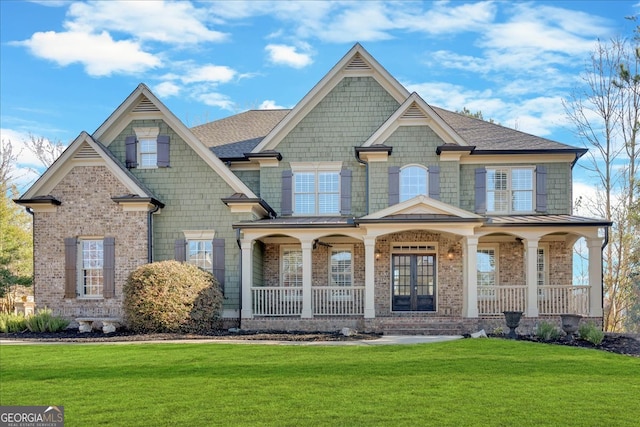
(414, 282)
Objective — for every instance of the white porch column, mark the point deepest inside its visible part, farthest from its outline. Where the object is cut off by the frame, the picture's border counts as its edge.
(470, 277)
(307, 267)
(532, 277)
(595, 276)
(247, 278)
(369, 277)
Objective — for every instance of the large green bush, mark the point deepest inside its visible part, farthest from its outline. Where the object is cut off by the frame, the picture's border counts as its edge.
(170, 296)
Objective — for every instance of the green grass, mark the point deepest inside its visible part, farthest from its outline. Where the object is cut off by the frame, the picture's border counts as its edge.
(487, 382)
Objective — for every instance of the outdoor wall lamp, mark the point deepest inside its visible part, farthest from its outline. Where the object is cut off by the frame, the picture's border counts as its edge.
(451, 253)
(378, 255)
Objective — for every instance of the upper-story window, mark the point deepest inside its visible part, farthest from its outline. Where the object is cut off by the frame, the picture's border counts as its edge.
(510, 190)
(148, 152)
(316, 188)
(413, 182)
(147, 149)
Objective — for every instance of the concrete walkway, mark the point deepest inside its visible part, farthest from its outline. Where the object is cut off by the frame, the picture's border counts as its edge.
(384, 340)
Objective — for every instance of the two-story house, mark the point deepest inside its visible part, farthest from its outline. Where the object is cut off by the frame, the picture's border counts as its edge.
(361, 207)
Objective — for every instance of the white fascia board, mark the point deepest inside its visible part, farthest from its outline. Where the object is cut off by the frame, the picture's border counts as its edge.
(428, 203)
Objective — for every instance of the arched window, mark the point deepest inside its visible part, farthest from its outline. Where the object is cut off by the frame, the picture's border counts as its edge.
(413, 182)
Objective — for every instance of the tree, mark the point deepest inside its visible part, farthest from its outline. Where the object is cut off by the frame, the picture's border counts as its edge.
(477, 115)
(605, 111)
(45, 150)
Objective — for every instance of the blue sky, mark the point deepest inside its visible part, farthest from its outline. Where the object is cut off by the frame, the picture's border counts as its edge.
(65, 66)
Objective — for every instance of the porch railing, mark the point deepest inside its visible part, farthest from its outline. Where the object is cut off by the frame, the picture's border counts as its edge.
(338, 300)
(325, 300)
(563, 300)
(552, 300)
(496, 299)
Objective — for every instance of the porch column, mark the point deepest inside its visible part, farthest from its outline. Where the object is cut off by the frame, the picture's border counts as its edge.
(369, 277)
(470, 277)
(532, 277)
(595, 276)
(307, 266)
(246, 246)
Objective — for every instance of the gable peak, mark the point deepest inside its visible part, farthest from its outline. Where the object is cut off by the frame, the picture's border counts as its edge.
(357, 63)
(414, 112)
(145, 105)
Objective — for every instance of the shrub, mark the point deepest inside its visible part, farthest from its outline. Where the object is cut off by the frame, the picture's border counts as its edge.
(10, 322)
(590, 332)
(170, 296)
(45, 321)
(547, 331)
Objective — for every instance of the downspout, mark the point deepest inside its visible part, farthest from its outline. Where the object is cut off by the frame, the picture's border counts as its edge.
(604, 245)
(240, 271)
(150, 233)
(366, 181)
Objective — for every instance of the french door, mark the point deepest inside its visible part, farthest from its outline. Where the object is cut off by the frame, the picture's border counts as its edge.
(413, 282)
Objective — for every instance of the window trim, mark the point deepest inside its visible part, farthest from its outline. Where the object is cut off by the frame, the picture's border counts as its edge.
(80, 269)
(208, 245)
(426, 181)
(315, 168)
(283, 248)
(509, 170)
(340, 248)
(489, 294)
(146, 134)
(545, 254)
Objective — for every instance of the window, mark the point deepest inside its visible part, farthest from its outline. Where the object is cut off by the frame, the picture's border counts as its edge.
(316, 192)
(487, 271)
(200, 254)
(510, 190)
(413, 182)
(291, 272)
(148, 152)
(341, 267)
(541, 269)
(91, 258)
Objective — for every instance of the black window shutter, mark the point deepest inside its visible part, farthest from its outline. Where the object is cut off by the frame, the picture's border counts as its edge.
(434, 182)
(180, 250)
(394, 185)
(131, 148)
(287, 193)
(109, 267)
(345, 192)
(163, 151)
(541, 188)
(70, 265)
(218, 261)
(481, 190)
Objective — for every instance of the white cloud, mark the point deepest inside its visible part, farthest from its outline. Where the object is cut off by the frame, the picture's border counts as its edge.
(215, 99)
(98, 53)
(287, 55)
(168, 22)
(166, 89)
(208, 73)
(270, 104)
(447, 17)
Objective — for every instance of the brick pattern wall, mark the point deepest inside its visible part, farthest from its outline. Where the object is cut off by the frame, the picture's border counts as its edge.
(86, 211)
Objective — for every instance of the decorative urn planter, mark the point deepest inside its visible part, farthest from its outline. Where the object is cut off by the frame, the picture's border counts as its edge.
(513, 320)
(570, 323)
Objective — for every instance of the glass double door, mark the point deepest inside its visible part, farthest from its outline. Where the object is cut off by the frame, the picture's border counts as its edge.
(413, 282)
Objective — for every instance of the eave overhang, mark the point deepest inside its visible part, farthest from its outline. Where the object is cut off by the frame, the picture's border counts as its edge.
(135, 203)
(39, 204)
(378, 152)
(257, 206)
(298, 223)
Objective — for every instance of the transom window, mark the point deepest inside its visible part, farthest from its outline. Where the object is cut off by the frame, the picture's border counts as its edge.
(316, 192)
(413, 182)
(291, 268)
(148, 152)
(510, 190)
(91, 275)
(341, 267)
(200, 254)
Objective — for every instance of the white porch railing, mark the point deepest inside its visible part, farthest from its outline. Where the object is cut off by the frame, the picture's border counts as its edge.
(563, 300)
(277, 301)
(496, 299)
(552, 300)
(325, 300)
(338, 300)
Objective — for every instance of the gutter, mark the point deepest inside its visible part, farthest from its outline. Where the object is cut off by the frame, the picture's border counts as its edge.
(240, 270)
(150, 232)
(366, 180)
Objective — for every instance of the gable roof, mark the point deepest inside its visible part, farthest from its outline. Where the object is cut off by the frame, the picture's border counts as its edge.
(85, 150)
(421, 207)
(143, 104)
(356, 63)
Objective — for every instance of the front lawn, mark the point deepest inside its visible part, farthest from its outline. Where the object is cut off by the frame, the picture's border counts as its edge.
(487, 382)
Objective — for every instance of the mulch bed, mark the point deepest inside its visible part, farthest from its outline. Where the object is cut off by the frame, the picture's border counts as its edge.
(614, 343)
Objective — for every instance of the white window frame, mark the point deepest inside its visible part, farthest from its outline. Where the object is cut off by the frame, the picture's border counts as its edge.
(485, 293)
(542, 275)
(403, 188)
(315, 194)
(299, 276)
(344, 294)
(200, 252)
(96, 289)
(510, 191)
(147, 136)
